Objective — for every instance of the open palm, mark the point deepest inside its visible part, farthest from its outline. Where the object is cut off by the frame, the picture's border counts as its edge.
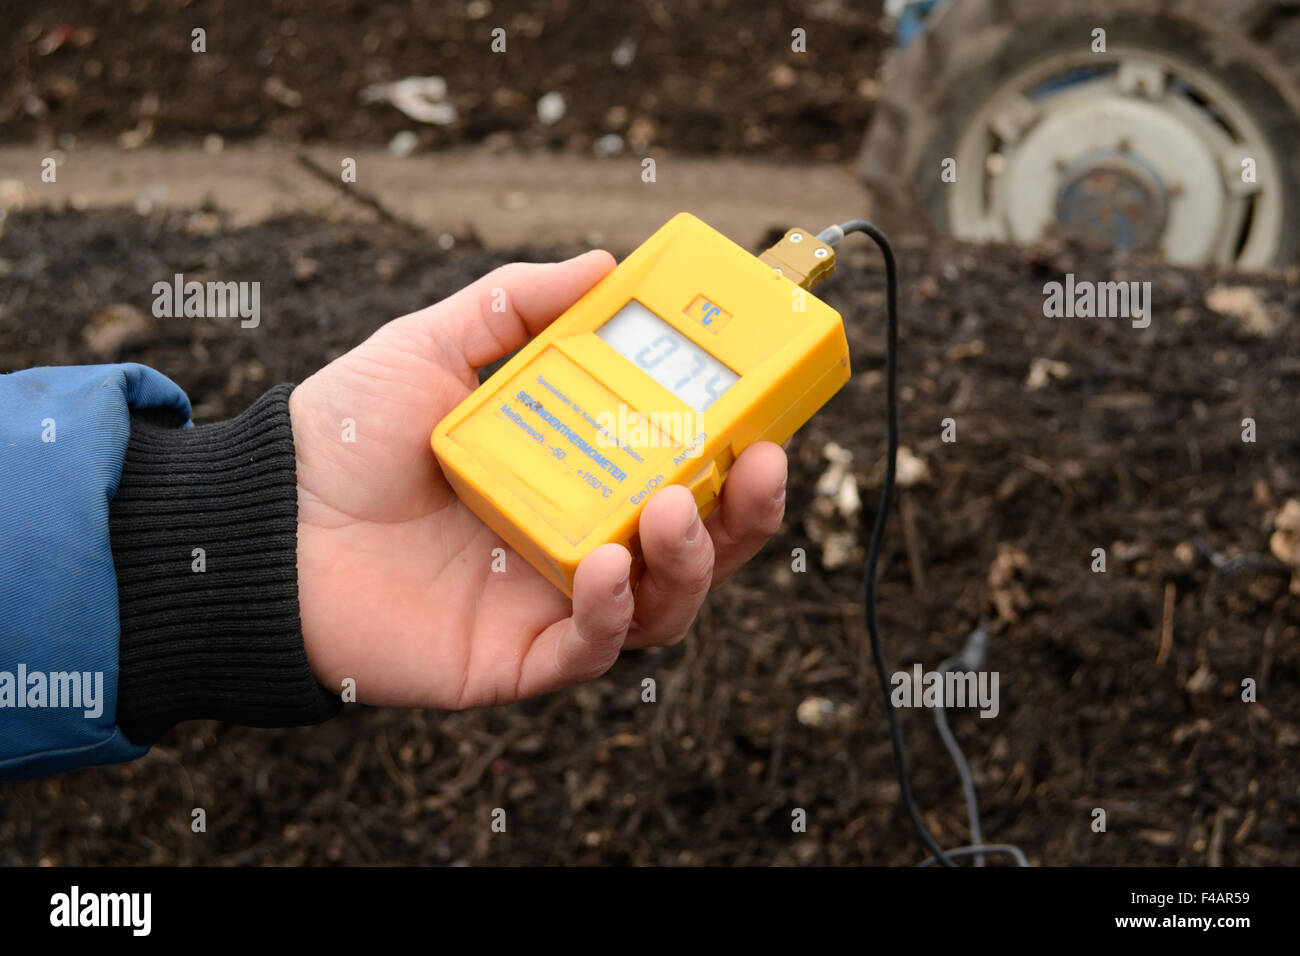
(396, 583)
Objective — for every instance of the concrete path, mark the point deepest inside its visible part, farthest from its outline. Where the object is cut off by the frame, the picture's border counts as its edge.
(508, 200)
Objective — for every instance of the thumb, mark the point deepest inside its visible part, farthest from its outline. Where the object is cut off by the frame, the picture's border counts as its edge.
(584, 646)
(503, 310)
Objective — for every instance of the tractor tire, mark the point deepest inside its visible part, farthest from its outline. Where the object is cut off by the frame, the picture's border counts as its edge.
(932, 88)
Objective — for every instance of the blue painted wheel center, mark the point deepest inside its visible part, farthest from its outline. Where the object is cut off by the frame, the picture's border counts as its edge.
(1112, 199)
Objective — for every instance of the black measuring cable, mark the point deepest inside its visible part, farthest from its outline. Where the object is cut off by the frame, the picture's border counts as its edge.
(973, 654)
(832, 235)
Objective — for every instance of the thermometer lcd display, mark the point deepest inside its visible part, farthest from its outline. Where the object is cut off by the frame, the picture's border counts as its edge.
(667, 356)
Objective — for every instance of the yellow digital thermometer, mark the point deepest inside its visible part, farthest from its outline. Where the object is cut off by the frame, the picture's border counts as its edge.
(663, 373)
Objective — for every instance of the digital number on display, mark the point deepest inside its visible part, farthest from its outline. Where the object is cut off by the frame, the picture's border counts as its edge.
(667, 356)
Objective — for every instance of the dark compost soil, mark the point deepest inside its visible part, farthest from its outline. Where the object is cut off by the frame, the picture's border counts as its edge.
(702, 77)
(1137, 449)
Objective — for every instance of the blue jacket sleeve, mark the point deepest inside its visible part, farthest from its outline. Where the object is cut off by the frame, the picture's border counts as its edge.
(63, 439)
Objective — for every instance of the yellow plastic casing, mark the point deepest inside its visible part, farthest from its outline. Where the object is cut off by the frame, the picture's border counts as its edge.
(560, 449)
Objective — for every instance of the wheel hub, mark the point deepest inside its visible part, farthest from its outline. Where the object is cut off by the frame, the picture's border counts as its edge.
(1112, 199)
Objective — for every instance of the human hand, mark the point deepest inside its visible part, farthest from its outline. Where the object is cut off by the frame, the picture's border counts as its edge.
(395, 583)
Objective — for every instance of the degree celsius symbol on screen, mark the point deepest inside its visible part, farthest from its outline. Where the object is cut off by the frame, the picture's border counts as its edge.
(666, 355)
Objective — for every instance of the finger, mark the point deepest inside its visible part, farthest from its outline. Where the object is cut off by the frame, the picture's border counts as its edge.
(503, 310)
(584, 646)
(679, 568)
(753, 504)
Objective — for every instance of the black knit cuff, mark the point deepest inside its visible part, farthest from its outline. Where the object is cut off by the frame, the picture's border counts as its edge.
(204, 534)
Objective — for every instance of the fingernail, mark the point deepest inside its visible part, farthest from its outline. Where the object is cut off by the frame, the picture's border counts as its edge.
(780, 492)
(693, 531)
(621, 588)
